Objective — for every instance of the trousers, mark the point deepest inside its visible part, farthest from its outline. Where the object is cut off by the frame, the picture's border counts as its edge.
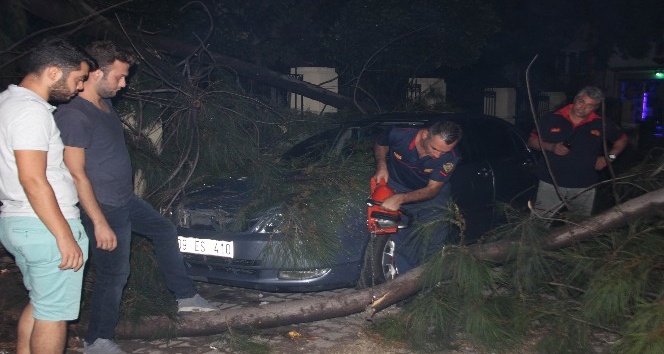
(547, 202)
(417, 242)
(112, 268)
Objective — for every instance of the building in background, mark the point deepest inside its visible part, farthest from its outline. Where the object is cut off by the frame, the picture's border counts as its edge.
(326, 78)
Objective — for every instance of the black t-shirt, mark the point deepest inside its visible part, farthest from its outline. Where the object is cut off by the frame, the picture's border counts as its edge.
(577, 168)
(100, 133)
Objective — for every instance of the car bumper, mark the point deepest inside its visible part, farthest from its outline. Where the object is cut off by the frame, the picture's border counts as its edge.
(248, 269)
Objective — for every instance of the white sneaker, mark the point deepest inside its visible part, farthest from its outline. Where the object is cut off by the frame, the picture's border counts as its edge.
(102, 346)
(195, 304)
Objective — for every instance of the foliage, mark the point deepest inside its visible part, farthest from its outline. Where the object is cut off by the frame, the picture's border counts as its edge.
(317, 202)
(146, 293)
(239, 342)
(214, 126)
(378, 45)
(611, 284)
(643, 332)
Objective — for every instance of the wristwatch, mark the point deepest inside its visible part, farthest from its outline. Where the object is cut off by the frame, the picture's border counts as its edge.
(612, 157)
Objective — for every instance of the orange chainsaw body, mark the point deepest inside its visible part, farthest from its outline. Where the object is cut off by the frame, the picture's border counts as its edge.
(381, 221)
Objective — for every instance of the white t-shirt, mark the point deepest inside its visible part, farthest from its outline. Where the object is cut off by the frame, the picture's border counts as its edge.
(26, 123)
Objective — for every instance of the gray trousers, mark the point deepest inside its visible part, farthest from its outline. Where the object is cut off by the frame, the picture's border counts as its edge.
(547, 203)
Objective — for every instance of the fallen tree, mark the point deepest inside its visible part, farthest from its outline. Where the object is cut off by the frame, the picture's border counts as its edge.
(384, 295)
(70, 14)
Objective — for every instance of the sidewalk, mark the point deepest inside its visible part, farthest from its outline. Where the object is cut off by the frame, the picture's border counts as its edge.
(343, 335)
(339, 335)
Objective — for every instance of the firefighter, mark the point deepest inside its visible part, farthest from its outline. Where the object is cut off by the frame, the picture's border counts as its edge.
(417, 164)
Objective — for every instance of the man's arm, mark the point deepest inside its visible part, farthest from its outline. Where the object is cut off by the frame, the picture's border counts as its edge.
(380, 154)
(619, 145)
(557, 148)
(31, 166)
(616, 148)
(74, 158)
(431, 190)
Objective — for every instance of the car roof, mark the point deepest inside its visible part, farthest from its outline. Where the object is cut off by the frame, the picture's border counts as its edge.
(309, 145)
(414, 117)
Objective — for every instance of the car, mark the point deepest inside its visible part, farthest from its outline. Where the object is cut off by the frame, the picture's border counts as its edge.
(496, 167)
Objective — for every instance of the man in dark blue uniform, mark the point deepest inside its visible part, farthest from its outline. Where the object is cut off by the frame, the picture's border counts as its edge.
(572, 139)
(417, 164)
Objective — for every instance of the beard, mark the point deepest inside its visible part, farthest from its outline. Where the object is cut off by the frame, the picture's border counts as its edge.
(60, 92)
(104, 90)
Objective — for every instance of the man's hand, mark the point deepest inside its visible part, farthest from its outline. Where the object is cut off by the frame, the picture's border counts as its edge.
(393, 202)
(382, 176)
(560, 149)
(600, 163)
(557, 148)
(31, 166)
(105, 236)
(74, 158)
(72, 256)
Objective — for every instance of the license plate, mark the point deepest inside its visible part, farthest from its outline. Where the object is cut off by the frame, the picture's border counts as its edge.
(205, 246)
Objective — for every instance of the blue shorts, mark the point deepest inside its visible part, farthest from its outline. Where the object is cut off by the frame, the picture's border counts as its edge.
(55, 294)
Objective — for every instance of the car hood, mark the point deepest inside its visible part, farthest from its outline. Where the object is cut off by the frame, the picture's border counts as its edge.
(214, 206)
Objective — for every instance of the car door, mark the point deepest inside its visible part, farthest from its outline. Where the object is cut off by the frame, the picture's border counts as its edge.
(472, 184)
(508, 157)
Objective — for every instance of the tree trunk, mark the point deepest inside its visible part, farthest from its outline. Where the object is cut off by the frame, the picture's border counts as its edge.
(384, 295)
(649, 203)
(275, 314)
(255, 72)
(44, 9)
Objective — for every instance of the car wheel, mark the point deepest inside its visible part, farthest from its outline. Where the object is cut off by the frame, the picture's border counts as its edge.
(378, 265)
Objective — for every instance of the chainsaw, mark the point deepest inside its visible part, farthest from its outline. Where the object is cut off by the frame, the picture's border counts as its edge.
(381, 221)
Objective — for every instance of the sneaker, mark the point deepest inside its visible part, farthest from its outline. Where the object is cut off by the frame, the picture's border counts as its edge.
(195, 304)
(102, 346)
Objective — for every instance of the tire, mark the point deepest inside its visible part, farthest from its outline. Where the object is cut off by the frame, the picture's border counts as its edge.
(378, 263)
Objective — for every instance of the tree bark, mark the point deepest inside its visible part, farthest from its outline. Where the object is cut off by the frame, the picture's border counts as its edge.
(276, 314)
(65, 10)
(375, 299)
(255, 72)
(649, 203)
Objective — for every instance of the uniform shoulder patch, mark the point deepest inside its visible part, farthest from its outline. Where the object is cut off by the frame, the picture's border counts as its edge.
(448, 167)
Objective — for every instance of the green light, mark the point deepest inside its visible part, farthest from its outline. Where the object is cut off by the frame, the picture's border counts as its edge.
(659, 75)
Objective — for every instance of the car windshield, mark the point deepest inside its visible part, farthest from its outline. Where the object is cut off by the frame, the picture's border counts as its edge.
(338, 142)
(314, 147)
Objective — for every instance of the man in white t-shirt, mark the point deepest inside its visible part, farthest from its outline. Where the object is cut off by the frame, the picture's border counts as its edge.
(39, 220)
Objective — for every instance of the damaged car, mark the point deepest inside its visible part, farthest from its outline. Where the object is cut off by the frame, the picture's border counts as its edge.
(306, 230)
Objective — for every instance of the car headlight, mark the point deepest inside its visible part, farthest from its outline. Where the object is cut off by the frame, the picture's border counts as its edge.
(303, 274)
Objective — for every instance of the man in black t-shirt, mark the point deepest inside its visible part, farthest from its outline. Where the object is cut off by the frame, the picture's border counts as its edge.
(98, 159)
(572, 139)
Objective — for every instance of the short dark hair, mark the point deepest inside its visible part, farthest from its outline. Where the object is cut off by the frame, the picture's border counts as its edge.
(106, 52)
(450, 132)
(591, 91)
(55, 52)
